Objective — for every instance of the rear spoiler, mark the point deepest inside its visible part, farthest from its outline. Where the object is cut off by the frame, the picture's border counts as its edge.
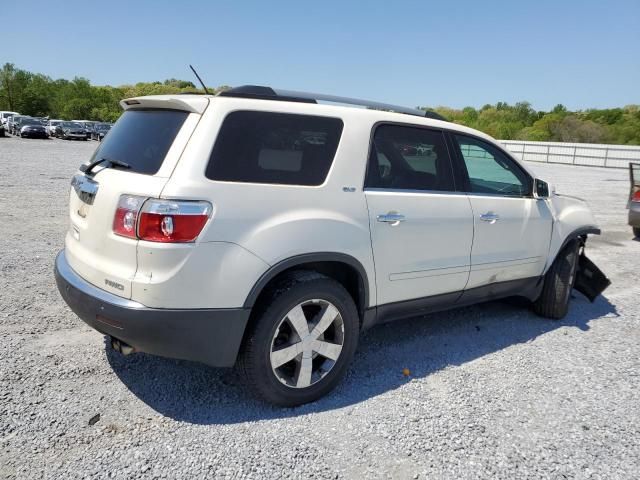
(188, 103)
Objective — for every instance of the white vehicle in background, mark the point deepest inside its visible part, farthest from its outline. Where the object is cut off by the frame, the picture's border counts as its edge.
(263, 226)
(4, 116)
(51, 126)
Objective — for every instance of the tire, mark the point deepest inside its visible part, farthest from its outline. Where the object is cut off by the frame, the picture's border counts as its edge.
(558, 282)
(304, 295)
(636, 232)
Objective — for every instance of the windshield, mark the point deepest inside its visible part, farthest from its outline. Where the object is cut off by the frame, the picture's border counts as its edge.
(31, 121)
(142, 138)
(71, 125)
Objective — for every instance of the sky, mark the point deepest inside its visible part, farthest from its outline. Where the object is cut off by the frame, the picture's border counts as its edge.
(583, 54)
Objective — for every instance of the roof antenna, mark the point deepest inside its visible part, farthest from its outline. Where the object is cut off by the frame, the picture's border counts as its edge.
(200, 80)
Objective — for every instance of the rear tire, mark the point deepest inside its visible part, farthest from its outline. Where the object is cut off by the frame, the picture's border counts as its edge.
(636, 232)
(304, 314)
(558, 282)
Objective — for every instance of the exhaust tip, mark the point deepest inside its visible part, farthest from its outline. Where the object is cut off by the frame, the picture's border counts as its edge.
(122, 347)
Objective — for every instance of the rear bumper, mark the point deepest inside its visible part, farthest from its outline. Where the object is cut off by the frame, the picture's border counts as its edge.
(211, 336)
(634, 214)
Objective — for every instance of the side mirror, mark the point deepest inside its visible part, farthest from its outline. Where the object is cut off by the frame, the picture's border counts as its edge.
(540, 189)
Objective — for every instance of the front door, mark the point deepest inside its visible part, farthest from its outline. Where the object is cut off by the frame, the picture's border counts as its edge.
(512, 230)
(421, 229)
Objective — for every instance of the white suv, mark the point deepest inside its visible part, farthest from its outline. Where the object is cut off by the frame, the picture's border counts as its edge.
(264, 226)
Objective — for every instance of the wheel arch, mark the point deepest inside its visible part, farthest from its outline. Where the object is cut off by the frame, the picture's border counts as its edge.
(342, 267)
(578, 233)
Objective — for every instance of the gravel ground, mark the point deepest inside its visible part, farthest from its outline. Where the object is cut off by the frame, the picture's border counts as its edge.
(494, 391)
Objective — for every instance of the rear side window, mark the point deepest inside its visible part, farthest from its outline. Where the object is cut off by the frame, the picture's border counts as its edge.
(278, 148)
(409, 158)
(142, 138)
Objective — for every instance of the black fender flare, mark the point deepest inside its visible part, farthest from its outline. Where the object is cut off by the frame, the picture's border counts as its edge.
(296, 260)
(577, 233)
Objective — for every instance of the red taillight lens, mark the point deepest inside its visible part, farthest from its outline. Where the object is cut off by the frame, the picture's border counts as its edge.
(154, 220)
(126, 217)
(172, 221)
(636, 196)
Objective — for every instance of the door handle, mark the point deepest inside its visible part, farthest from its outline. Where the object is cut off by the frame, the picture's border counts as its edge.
(391, 218)
(490, 217)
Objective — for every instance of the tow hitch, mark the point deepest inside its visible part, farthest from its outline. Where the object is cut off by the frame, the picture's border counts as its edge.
(590, 280)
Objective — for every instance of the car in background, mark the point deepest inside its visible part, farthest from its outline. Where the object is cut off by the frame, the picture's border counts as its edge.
(634, 198)
(71, 131)
(51, 126)
(12, 124)
(88, 125)
(99, 131)
(32, 128)
(4, 116)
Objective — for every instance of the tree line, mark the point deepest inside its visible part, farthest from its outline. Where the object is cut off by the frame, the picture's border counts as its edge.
(39, 95)
(619, 126)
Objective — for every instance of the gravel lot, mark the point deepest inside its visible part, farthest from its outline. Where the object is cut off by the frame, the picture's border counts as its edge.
(493, 391)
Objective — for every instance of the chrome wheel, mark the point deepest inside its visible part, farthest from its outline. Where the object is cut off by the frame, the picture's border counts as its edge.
(307, 343)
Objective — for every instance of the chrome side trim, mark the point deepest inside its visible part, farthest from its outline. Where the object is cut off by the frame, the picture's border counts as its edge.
(76, 281)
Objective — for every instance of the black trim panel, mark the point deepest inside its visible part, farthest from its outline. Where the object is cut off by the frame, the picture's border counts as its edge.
(590, 280)
(309, 258)
(579, 232)
(528, 288)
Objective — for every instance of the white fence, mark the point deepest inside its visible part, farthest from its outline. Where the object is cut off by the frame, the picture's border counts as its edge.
(589, 154)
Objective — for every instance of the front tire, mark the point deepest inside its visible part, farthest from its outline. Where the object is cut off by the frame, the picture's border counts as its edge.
(636, 232)
(303, 340)
(558, 282)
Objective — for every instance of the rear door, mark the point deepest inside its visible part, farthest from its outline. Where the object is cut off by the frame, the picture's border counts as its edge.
(512, 230)
(421, 228)
(150, 141)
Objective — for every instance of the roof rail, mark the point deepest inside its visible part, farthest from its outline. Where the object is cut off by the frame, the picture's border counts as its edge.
(268, 93)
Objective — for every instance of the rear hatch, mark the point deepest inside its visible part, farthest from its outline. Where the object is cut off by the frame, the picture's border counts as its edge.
(136, 158)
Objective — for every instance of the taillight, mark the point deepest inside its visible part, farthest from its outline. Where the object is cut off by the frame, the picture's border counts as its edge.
(636, 196)
(126, 219)
(172, 221)
(155, 220)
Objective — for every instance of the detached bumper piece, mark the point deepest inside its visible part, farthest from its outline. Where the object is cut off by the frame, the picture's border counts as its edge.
(211, 336)
(590, 280)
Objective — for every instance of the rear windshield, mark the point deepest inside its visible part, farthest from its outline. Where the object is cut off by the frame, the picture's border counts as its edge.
(142, 138)
(279, 148)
